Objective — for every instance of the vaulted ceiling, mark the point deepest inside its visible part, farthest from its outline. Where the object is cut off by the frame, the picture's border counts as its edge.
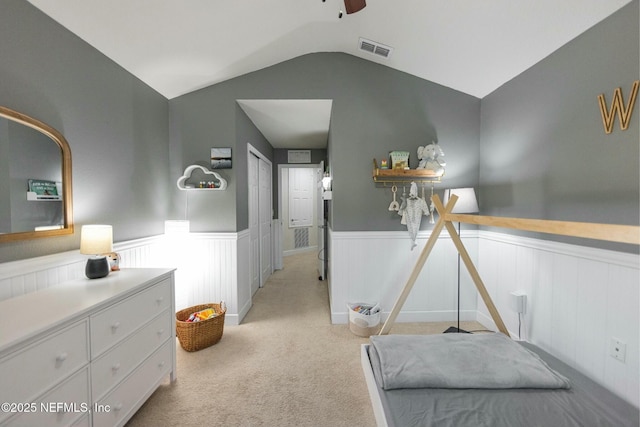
(473, 46)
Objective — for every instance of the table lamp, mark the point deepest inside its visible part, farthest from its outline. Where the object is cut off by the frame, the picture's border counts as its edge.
(96, 240)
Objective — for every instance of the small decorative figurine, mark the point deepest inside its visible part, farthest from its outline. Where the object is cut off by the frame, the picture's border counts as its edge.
(384, 164)
(114, 260)
(399, 159)
(430, 158)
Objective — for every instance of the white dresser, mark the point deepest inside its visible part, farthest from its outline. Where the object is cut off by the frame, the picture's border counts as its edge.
(87, 352)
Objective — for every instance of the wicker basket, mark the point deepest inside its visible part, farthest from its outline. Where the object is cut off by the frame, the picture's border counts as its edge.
(194, 336)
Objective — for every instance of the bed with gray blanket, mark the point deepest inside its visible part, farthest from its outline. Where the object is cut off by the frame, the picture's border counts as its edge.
(457, 380)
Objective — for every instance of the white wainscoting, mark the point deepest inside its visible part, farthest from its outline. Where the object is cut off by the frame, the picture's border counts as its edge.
(33, 274)
(207, 269)
(206, 263)
(375, 266)
(578, 298)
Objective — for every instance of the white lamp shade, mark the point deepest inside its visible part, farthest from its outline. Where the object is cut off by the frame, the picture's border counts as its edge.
(326, 183)
(96, 239)
(467, 202)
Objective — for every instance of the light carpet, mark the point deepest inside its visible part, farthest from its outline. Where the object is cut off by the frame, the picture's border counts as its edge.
(285, 365)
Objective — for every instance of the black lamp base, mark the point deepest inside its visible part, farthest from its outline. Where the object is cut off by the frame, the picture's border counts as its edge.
(97, 267)
(454, 330)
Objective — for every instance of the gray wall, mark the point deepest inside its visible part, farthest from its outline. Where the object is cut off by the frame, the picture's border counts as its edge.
(5, 177)
(375, 110)
(544, 152)
(116, 126)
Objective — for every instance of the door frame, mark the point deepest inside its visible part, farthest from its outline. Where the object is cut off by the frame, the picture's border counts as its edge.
(281, 166)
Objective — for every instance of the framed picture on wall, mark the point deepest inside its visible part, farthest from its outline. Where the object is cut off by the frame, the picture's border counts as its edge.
(221, 158)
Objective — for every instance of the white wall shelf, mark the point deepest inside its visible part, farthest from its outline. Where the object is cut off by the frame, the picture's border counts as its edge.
(220, 182)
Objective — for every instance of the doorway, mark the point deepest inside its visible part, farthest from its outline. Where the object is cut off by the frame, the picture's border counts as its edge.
(301, 210)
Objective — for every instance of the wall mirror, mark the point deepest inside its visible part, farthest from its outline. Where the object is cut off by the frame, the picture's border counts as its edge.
(35, 179)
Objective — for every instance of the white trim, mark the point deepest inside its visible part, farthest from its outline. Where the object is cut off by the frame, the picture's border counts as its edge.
(402, 235)
(282, 166)
(299, 250)
(603, 255)
(130, 244)
(251, 150)
(220, 235)
(17, 268)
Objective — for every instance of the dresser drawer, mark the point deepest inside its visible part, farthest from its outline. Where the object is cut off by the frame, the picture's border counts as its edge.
(29, 371)
(134, 389)
(115, 323)
(62, 406)
(119, 361)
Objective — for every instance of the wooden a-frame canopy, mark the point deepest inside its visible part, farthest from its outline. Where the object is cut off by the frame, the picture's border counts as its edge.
(609, 232)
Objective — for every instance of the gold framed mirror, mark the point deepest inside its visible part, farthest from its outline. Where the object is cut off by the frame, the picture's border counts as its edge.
(35, 179)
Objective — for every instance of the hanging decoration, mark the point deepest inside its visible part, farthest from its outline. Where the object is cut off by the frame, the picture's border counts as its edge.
(412, 210)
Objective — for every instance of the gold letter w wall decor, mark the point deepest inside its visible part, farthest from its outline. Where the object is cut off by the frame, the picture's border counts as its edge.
(618, 106)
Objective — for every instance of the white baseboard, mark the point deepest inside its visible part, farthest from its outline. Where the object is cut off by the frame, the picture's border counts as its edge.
(414, 316)
(299, 250)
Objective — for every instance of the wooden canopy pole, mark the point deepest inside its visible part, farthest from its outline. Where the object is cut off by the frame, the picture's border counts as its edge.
(464, 255)
(433, 238)
(609, 232)
(475, 276)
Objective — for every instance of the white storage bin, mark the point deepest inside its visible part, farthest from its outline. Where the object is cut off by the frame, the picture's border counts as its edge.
(364, 318)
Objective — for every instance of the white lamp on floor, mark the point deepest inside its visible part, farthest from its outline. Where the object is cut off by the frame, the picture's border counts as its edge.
(467, 203)
(96, 240)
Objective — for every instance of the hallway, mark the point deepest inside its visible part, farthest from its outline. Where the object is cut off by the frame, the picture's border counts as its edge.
(285, 365)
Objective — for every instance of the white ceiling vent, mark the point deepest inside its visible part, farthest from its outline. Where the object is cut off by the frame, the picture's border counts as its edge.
(374, 48)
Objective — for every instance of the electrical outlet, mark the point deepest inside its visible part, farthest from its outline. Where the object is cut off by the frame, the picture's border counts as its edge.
(518, 301)
(618, 349)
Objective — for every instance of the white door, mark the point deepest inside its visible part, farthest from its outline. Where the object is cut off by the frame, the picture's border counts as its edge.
(301, 188)
(264, 201)
(322, 253)
(254, 223)
(260, 213)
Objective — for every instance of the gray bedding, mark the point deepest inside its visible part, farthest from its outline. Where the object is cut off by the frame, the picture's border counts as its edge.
(585, 404)
(488, 361)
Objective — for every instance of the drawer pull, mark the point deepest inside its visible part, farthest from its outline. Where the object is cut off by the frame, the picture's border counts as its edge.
(161, 364)
(61, 357)
(161, 331)
(117, 406)
(115, 326)
(115, 367)
(159, 300)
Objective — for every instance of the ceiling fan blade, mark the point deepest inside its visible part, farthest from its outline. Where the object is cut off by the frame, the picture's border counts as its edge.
(353, 6)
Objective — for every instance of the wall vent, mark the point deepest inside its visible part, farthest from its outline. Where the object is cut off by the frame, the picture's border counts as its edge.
(300, 237)
(374, 48)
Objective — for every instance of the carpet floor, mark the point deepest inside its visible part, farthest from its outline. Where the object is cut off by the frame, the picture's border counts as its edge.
(285, 365)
